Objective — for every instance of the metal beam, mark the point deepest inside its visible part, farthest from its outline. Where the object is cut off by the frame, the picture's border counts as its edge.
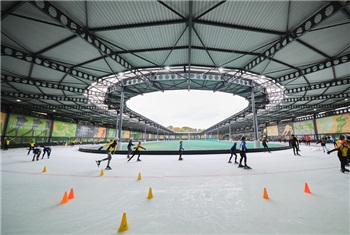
(43, 97)
(41, 83)
(316, 67)
(39, 60)
(327, 11)
(322, 85)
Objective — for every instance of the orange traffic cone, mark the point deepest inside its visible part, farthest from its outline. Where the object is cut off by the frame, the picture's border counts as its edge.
(65, 198)
(71, 194)
(139, 176)
(150, 194)
(44, 170)
(123, 224)
(265, 195)
(102, 173)
(306, 188)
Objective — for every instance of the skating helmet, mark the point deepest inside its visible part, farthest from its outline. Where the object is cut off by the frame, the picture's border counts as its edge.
(116, 139)
(341, 137)
(243, 138)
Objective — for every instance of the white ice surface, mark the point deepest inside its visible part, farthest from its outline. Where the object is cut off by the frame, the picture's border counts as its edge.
(201, 195)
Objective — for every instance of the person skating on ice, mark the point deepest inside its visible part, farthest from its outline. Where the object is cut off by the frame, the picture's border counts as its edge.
(342, 151)
(180, 151)
(36, 152)
(233, 152)
(130, 144)
(137, 151)
(47, 150)
(112, 146)
(323, 144)
(243, 151)
(31, 147)
(294, 143)
(264, 143)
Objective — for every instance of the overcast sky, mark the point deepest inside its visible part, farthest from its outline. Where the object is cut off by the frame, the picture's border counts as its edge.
(196, 109)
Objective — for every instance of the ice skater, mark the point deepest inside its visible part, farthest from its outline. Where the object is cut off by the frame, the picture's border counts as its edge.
(31, 147)
(323, 145)
(264, 143)
(137, 151)
(180, 151)
(233, 152)
(112, 146)
(47, 150)
(342, 147)
(36, 152)
(130, 144)
(242, 152)
(294, 143)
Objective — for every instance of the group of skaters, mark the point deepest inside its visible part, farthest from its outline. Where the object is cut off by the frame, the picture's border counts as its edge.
(37, 150)
(112, 147)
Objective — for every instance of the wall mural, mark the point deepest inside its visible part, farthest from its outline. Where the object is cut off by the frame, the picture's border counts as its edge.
(334, 124)
(285, 129)
(272, 130)
(304, 128)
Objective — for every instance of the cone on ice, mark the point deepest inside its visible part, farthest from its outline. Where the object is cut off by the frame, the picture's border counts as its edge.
(71, 194)
(124, 224)
(150, 194)
(44, 170)
(306, 188)
(265, 195)
(65, 198)
(102, 173)
(139, 176)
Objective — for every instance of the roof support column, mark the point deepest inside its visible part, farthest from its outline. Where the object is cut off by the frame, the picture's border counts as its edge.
(145, 138)
(255, 122)
(229, 128)
(121, 118)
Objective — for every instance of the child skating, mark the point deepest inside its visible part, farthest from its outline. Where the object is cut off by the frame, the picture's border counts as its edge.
(243, 150)
(112, 147)
(233, 152)
(47, 150)
(137, 151)
(180, 151)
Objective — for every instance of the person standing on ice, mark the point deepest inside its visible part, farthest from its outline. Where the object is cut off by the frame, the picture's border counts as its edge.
(180, 151)
(233, 152)
(243, 151)
(112, 146)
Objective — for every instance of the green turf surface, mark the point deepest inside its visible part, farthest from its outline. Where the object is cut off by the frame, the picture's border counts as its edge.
(193, 145)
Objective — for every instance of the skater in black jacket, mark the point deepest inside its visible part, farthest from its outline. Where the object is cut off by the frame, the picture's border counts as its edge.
(36, 152)
(47, 150)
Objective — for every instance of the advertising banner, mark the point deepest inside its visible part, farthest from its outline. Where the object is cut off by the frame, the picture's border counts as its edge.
(64, 129)
(19, 125)
(100, 132)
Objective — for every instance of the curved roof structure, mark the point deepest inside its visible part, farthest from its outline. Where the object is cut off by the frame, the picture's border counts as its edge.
(70, 59)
